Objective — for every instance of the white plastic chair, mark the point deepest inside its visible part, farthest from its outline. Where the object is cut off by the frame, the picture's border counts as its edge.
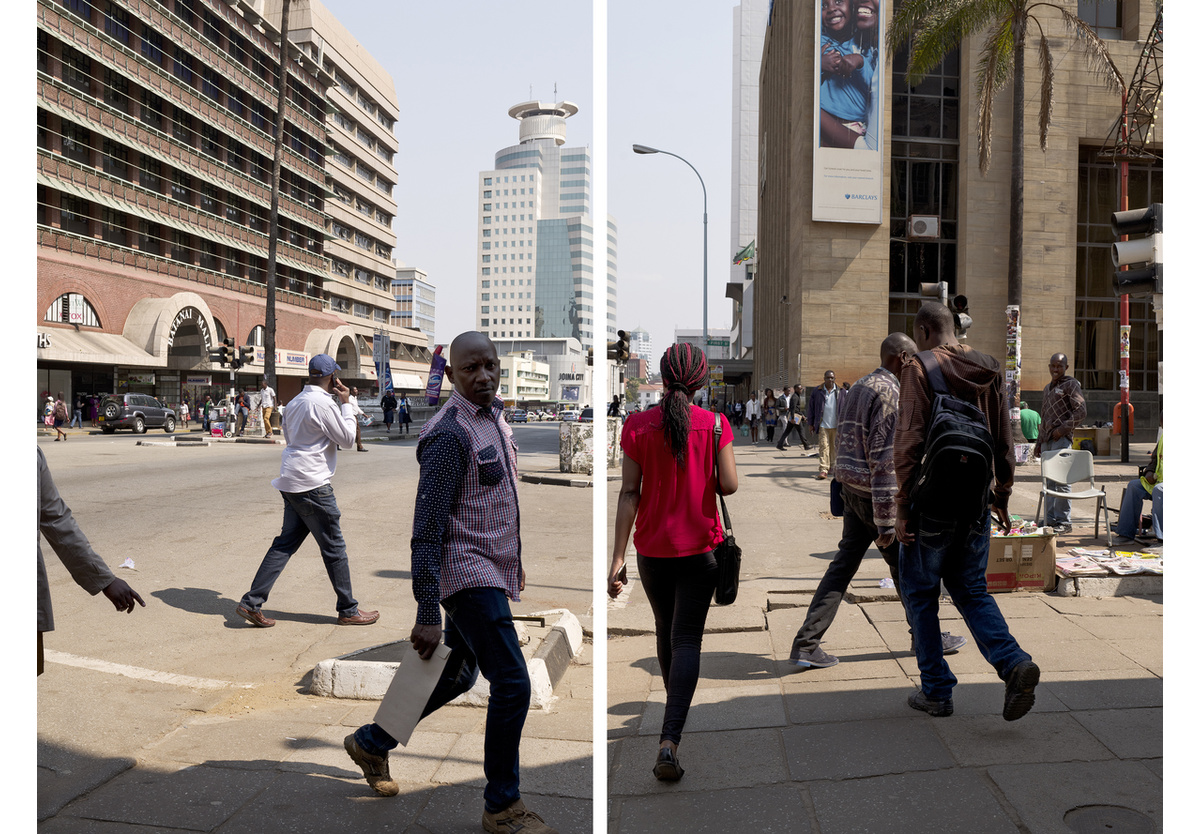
(1071, 466)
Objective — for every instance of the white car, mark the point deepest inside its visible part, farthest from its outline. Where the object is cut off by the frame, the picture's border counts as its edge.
(568, 416)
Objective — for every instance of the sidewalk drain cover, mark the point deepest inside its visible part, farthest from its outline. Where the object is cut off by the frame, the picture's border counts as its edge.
(1100, 819)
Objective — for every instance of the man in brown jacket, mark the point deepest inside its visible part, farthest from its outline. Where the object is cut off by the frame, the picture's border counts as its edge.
(956, 551)
(1063, 411)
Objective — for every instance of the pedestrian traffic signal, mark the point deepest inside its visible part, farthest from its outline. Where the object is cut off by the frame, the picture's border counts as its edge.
(1146, 251)
(622, 346)
(215, 356)
(962, 321)
(226, 352)
(245, 355)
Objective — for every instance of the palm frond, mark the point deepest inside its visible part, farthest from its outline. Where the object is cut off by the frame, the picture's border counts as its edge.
(992, 73)
(1046, 60)
(1094, 50)
(938, 27)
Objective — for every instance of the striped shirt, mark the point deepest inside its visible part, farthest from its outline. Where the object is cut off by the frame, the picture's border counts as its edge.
(466, 525)
(866, 431)
(1063, 408)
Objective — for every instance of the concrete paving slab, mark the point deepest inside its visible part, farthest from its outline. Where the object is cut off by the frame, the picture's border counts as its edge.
(415, 763)
(1155, 766)
(711, 761)
(1128, 733)
(809, 699)
(206, 738)
(853, 750)
(558, 768)
(452, 810)
(774, 809)
(851, 629)
(630, 647)
(1147, 653)
(744, 615)
(984, 740)
(193, 798)
(631, 620)
(949, 801)
(734, 658)
(1147, 628)
(624, 713)
(1042, 794)
(1082, 655)
(309, 804)
(1105, 690)
(881, 612)
(722, 708)
(1147, 603)
(854, 664)
(565, 719)
(1019, 606)
(983, 694)
(1093, 606)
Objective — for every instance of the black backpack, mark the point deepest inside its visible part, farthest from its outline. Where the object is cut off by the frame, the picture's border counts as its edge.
(955, 477)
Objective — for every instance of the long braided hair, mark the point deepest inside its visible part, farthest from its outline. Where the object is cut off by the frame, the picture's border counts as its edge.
(684, 370)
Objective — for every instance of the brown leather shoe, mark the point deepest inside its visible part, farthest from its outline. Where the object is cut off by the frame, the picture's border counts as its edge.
(361, 618)
(255, 617)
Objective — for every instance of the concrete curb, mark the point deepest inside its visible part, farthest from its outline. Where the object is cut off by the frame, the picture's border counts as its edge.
(1109, 586)
(351, 676)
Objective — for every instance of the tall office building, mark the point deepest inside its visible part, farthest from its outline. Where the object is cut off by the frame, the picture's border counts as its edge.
(536, 277)
(416, 300)
(642, 345)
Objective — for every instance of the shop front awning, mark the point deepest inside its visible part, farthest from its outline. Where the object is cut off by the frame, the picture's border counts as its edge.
(407, 382)
(97, 348)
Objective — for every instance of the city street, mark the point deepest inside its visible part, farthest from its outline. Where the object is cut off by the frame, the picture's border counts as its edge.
(181, 716)
(769, 747)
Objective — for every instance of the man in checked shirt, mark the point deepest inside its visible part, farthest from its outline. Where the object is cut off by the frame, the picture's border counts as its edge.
(466, 555)
(1063, 411)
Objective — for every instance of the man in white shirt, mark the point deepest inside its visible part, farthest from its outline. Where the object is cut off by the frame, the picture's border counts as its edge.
(268, 406)
(313, 428)
(358, 413)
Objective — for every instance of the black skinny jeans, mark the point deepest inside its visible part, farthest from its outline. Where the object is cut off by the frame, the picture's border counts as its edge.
(679, 589)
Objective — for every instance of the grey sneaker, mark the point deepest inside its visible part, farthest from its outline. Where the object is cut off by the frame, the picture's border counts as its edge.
(938, 709)
(817, 658)
(1062, 528)
(375, 768)
(951, 643)
(514, 818)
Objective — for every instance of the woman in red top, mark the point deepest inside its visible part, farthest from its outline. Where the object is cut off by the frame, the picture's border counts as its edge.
(667, 487)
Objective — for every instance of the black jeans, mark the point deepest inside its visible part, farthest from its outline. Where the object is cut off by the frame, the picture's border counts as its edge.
(858, 533)
(680, 590)
(793, 427)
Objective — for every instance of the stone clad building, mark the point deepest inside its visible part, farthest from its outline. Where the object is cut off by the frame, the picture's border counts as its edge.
(829, 291)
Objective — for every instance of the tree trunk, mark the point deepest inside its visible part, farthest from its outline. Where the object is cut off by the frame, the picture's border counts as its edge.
(1016, 209)
(273, 233)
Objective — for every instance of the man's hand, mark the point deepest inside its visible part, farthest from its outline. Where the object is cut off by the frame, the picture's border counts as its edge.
(902, 533)
(425, 638)
(122, 596)
(1002, 515)
(340, 390)
(521, 583)
(886, 536)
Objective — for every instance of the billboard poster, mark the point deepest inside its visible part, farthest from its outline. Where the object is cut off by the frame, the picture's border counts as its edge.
(849, 91)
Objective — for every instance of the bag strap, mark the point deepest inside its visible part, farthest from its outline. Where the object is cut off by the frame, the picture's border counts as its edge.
(728, 528)
(934, 372)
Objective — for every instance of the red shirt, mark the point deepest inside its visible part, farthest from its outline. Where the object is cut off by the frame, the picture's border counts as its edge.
(678, 513)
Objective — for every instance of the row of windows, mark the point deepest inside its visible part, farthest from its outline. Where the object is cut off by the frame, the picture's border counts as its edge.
(364, 172)
(356, 130)
(362, 241)
(360, 205)
(359, 310)
(75, 69)
(119, 161)
(364, 101)
(82, 217)
(362, 276)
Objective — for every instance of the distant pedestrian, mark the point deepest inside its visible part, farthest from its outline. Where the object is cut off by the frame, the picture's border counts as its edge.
(358, 415)
(1063, 411)
(1031, 423)
(466, 556)
(738, 413)
(184, 413)
(863, 466)
(936, 548)
(1148, 484)
(768, 414)
(313, 428)
(77, 418)
(668, 499)
(243, 411)
(60, 417)
(614, 407)
(93, 410)
(204, 411)
(388, 403)
(57, 525)
(267, 400)
(404, 412)
(822, 419)
(754, 415)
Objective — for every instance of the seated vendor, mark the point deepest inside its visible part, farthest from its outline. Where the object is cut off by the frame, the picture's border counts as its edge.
(1149, 485)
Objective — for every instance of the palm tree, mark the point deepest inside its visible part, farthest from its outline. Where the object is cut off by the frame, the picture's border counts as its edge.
(935, 28)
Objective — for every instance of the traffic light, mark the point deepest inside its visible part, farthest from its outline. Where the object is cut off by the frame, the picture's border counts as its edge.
(962, 321)
(225, 356)
(622, 346)
(215, 356)
(589, 357)
(1147, 251)
(245, 355)
(937, 290)
(612, 351)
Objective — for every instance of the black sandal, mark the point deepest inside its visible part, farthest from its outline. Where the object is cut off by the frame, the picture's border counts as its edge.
(667, 768)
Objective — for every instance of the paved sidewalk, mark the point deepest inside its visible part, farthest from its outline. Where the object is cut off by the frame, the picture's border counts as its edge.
(771, 748)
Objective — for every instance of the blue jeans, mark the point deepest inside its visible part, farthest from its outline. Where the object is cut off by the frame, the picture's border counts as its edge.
(480, 634)
(954, 552)
(316, 512)
(77, 420)
(679, 590)
(1058, 510)
(1131, 509)
(858, 534)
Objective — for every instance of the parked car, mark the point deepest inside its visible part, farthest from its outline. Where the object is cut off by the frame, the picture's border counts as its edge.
(135, 411)
(568, 416)
(585, 416)
(519, 415)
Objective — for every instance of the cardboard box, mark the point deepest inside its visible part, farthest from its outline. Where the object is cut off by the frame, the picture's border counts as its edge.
(1020, 563)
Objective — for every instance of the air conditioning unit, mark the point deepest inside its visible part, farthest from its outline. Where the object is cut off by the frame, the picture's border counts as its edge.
(923, 226)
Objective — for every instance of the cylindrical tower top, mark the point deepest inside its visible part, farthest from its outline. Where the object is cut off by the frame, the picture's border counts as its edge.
(542, 120)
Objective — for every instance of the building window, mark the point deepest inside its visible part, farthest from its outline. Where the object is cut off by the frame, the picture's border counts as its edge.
(1097, 361)
(72, 308)
(210, 140)
(210, 84)
(76, 69)
(116, 23)
(152, 45)
(1102, 15)
(81, 7)
(152, 109)
(151, 174)
(116, 160)
(208, 197)
(233, 209)
(149, 237)
(233, 100)
(362, 241)
(183, 66)
(114, 226)
(181, 246)
(75, 214)
(181, 127)
(181, 187)
(77, 143)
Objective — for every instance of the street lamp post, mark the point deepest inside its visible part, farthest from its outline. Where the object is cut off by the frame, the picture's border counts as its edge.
(644, 149)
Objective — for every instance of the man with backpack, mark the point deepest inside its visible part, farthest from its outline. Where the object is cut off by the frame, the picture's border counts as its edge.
(953, 439)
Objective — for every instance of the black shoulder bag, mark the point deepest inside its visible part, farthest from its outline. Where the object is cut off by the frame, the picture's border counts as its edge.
(727, 553)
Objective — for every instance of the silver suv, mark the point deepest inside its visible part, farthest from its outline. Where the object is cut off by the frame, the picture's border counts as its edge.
(135, 411)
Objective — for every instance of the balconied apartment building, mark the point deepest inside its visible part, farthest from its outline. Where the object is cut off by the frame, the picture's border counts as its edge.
(361, 187)
(155, 123)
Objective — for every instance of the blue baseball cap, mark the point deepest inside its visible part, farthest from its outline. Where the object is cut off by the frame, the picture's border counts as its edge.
(322, 365)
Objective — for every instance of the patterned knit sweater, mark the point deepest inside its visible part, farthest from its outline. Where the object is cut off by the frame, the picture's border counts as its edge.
(865, 435)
